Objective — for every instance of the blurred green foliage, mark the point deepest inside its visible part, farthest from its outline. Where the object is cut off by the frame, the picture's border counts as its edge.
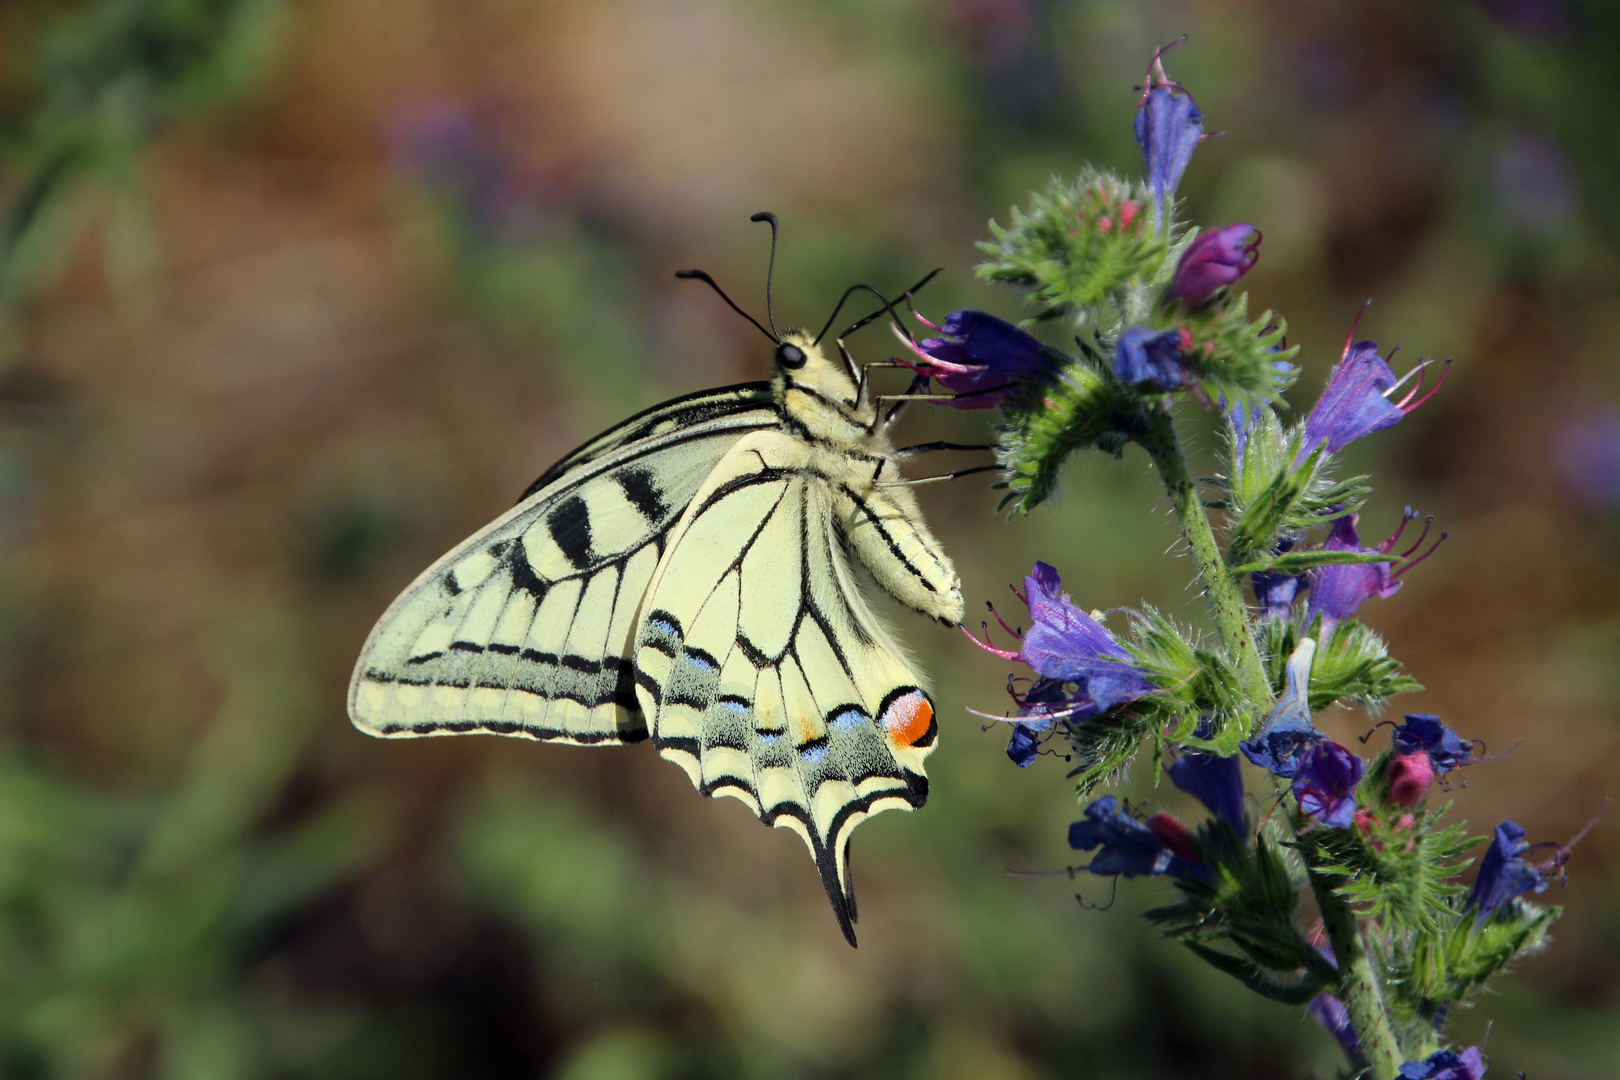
(205, 873)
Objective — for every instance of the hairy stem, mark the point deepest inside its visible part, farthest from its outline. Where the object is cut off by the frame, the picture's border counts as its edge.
(1358, 985)
(1359, 988)
(1158, 437)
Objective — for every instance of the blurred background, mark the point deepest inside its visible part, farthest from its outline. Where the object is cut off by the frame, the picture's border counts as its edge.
(294, 294)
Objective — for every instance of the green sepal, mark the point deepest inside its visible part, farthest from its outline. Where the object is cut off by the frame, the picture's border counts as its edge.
(1056, 247)
(1248, 904)
(1195, 683)
(1271, 497)
(1251, 975)
(1299, 562)
(1104, 745)
(1352, 665)
(1237, 361)
(1401, 875)
(1076, 410)
(1457, 962)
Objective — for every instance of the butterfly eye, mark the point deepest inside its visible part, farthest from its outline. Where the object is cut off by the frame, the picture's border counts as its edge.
(790, 356)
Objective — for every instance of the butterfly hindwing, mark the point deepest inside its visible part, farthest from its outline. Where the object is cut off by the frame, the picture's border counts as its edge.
(764, 673)
(526, 628)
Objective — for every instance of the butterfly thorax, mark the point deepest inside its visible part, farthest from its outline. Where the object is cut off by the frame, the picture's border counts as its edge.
(824, 403)
(821, 398)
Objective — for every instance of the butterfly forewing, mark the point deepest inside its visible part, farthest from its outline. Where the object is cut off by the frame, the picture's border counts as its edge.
(766, 676)
(527, 628)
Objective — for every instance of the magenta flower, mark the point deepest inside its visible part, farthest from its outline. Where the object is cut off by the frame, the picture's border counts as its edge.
(1337, 591)
(1356, 400)
(1168, 127)
(1325, 785)
(979, 358)
(1214, 260)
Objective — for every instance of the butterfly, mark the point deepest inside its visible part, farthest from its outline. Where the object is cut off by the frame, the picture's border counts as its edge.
(687, 575)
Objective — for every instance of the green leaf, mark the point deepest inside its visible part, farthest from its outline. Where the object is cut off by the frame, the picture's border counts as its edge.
(1298, 562)
(1299, 992)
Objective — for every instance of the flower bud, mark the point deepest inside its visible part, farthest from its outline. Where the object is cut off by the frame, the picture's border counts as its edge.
(1173, 833)
(1214, 260)
(1152, 360)
(1409, 778)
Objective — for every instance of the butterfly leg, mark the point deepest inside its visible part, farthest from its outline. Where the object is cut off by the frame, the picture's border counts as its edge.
(936, 479)
(933, 447)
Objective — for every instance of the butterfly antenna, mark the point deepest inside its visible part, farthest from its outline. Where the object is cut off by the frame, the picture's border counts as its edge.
(766, 215)
(888, 307)
(703, 276)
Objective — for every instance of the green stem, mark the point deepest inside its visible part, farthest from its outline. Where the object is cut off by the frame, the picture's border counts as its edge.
(1158, 437)
(1359, 987)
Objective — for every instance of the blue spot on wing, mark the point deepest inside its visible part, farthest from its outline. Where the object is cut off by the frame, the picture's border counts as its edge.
(848, 718)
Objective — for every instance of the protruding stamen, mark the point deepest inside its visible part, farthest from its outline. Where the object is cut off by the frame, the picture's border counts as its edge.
(987, 645)
(1409, 563)
(1406, 408)
(1350, 338)
(1407, 517)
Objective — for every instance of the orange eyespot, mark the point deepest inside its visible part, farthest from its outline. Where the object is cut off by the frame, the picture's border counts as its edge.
(909, 719)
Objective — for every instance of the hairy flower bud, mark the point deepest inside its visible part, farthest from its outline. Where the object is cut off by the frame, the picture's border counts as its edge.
(1168, 127)
(1410, 776)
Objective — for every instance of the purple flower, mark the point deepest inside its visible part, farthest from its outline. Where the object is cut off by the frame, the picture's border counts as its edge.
(1214, 260)
(1446, 1065)
(1288, 737)
(1325, 785)
(1503, 872)
(1128, 846)
(1338, 590)
(1330, 1012)
(1153, 359)
(980, 358)
(1082, 670)
(1215, 781)
(1168, 127)
(1024, 745)
(1587, 454)
(1424, 732)
(1356, 401)
(1274, 591)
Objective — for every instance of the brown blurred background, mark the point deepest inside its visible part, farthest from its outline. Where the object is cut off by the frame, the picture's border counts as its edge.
(294, 294)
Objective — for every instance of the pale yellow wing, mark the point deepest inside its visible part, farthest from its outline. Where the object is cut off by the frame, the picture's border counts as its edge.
(765, 675)
(526, 628)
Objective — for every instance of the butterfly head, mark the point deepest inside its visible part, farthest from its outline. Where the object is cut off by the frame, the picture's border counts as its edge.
(802, 365)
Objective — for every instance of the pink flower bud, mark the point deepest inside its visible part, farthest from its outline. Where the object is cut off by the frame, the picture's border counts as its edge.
(1173, 833)
(1409, 778)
